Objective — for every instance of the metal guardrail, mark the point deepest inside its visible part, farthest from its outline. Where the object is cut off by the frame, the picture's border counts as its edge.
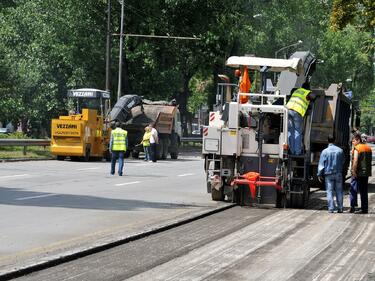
(25, 143)
(46, 142)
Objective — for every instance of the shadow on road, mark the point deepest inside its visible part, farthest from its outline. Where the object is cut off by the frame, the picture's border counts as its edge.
(20, 197)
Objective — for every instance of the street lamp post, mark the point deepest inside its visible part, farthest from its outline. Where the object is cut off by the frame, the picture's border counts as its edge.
(284, 48)
(120, 56)
(108, 50)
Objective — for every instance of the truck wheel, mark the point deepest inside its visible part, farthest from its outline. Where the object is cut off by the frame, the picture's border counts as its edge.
(160, 149)
(60, 158)
(217, 195)
(107, 156)
(135, 154)
(164, 155)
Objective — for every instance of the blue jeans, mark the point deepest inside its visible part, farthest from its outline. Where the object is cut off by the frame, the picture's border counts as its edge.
(295, 128)
(333, 185)
(120, 156)
(359, 184)
(147, 153)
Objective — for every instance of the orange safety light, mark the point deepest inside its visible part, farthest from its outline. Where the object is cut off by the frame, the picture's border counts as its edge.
(245, 86)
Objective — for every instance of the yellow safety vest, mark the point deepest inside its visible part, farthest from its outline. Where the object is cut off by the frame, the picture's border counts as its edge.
(118, 139)
(146, 139)
(298, 102)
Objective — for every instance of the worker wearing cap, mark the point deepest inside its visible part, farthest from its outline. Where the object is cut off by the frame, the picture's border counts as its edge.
(117, 147)
(361, 171)
(297, 105)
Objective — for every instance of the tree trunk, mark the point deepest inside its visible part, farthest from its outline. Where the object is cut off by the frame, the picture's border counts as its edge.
(182, 100)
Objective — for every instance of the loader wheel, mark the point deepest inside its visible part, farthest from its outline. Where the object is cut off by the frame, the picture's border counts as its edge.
(217, 195)
(86, 158)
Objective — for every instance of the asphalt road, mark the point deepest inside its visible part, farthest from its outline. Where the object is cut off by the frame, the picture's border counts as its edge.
(54, 208)
(237, 244)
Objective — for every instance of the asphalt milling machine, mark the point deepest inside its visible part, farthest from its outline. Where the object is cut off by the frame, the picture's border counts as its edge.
(245, 145)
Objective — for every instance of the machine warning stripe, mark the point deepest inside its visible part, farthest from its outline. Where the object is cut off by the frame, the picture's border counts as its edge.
(212, 116)
(205, 131)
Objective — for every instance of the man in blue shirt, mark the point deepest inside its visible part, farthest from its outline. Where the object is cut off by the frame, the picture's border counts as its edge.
(330, 166)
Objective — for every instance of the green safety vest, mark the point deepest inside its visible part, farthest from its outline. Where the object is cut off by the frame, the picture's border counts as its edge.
(298, 102)
(118, 139)
(146, 139)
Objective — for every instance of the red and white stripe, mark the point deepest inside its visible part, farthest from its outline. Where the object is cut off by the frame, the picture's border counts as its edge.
(205, 131)
(212, 116)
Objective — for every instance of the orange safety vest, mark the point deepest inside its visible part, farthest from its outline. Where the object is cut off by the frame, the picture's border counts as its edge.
(364, 160)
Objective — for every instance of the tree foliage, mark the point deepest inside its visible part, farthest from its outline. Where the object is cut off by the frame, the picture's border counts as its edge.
(50, 46)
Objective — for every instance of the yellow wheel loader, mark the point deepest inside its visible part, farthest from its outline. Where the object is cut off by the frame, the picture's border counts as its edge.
(83, 133)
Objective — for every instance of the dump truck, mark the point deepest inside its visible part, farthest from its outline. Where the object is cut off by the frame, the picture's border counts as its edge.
(245, 145)
(83, 133)
(135, 113)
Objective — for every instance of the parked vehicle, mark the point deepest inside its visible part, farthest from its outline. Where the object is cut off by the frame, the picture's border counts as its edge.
(136, 113)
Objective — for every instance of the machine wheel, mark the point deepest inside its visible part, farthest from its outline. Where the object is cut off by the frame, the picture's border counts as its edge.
(86, 158)
(299, 201)
(209, 189)
(280, 199)
(60, 158)
(217, 195)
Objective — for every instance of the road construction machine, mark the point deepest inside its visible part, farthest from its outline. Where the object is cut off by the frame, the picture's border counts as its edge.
(245, 145)
(135, 113)
(83, 133)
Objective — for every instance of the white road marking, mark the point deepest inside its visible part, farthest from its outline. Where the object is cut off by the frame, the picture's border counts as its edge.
(127, 183)
(13, 176)
(84, 169)
(185, 175)
(38, 196)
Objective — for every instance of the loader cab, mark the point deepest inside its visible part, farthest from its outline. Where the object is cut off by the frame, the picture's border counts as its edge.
(90, 99)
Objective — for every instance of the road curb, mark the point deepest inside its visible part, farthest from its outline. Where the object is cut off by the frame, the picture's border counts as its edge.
(25, 159)
(70, 256)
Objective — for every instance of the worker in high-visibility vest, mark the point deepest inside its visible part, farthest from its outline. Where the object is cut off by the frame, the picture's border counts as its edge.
(361, 170)
(297, 105)
(117, 146)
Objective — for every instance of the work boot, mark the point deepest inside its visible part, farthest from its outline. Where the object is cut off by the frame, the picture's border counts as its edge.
(352, 210)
